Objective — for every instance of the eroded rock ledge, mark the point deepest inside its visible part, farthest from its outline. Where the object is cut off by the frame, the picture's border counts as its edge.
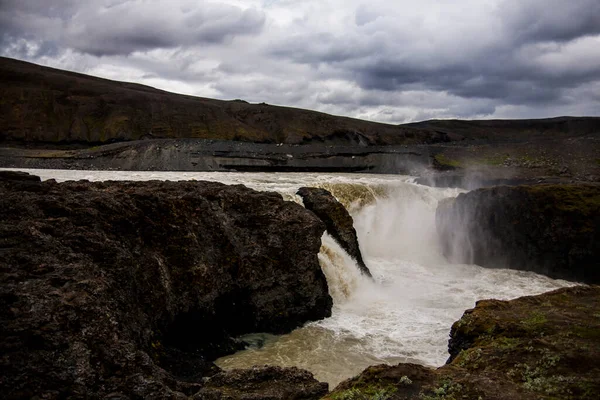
(549, 229)
(130, 289)
(535, 347)
(337, 219)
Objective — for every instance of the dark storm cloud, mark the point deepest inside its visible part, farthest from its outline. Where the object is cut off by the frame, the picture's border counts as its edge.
(133, 29)
(386, 60)
(517, 85)
(22, 22)
(499, 71)
(551, 20)
(124, 27)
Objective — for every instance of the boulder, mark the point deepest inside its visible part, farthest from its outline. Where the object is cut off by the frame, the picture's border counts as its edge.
(131, 289)
(549, 229)
(534, 347)
(18, 176)
(338, 221)
(284, 384)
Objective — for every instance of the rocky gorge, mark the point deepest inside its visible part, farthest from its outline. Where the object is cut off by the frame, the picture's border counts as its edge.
(131, 289)
(533, 347)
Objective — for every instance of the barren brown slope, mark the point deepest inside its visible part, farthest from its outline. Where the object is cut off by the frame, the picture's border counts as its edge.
(512, 130)
(40, 104)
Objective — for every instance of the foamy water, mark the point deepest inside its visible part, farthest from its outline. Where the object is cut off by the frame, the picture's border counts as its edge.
(405, 313)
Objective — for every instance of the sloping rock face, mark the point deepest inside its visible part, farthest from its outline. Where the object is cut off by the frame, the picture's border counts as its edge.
(549, 229)
(338, 221)
(130, 289)
(536, 347)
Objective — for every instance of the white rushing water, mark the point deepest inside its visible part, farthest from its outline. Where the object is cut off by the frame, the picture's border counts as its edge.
(405, 313)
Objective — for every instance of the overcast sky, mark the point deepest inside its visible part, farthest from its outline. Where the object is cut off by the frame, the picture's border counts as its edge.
(382, 60)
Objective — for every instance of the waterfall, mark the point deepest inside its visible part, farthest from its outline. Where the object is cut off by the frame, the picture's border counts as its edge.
(342, 274)
(405, 313)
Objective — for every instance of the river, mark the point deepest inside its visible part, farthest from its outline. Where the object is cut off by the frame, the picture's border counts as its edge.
(405, 313)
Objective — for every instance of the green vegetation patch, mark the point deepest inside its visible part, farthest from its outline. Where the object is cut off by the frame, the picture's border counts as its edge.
(369, 392)
(354, 196)
(470, 358)
(447, 390)
(539, 376)
(535, 321)
(492, 161)
(443, 160)
(586, 332)
(507, 343)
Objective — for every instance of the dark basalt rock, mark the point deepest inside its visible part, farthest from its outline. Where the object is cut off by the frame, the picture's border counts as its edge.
(534, 347)
(338, 221)
(18, 176)
(549, 229)
(285, 384)
(130, 289)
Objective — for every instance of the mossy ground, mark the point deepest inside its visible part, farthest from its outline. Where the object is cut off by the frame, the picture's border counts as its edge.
(463, 162)
(548, 159)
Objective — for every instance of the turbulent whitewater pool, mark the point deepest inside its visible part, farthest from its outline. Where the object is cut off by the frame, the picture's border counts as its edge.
(405, 313)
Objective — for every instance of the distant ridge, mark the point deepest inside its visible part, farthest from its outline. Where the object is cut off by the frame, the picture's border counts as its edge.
(41, 104)
(506, 129)
(50, 106)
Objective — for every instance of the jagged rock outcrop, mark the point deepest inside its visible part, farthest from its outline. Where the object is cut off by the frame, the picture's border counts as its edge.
(338, 221)
(549, 229)
(130, 289)
(535, 347)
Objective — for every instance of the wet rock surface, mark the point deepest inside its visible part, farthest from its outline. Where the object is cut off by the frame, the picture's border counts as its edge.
(338, 221)
(267, 382)
(535, 347)
(18, 176)
(130, 289)
(549, 229)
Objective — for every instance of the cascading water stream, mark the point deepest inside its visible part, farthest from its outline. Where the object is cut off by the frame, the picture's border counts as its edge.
(405, 313)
